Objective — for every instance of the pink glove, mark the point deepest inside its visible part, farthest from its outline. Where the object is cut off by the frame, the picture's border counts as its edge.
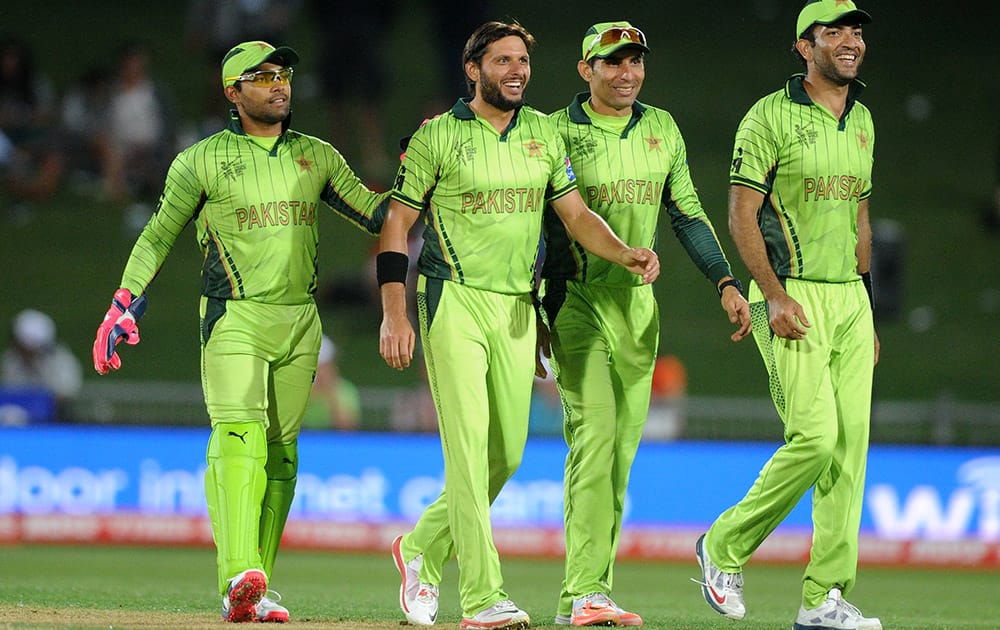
(119, 323)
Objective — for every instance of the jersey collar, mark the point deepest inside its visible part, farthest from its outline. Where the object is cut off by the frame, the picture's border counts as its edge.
(579, 116)
(796, 92)
(462, 111)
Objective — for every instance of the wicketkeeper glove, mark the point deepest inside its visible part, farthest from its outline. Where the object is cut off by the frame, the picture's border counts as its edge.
(119, 323)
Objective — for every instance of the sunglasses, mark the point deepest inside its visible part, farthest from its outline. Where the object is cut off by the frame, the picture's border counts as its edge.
(264, 78)
(615, 35)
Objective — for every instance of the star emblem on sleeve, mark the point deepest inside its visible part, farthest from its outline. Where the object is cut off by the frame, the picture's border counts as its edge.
(863, 140)
(655, 144)
(304, 164)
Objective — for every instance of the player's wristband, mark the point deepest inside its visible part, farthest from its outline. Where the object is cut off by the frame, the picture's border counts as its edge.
(866, 278)
(391, 267)
(732, 282)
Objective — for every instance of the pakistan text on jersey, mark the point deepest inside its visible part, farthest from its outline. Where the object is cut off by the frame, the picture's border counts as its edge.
(276, 213)
(631, 191)
(836, 187)
(504, 201)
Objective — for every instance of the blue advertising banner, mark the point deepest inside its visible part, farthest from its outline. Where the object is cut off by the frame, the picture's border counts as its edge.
(913, 493)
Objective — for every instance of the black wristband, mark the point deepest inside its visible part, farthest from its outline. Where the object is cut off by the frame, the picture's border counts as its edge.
(732, 282)
(391, 267)
(866, 278)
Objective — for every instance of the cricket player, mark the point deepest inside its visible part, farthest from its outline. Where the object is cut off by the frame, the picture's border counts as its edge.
(253, 193)
(480, 175)
(800, 183)
(630, 162)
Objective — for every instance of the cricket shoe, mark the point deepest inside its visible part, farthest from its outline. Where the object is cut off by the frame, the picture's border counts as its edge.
(595, 609)
(723, 591)
(418, 600)
(835, 614)
(626, 618)
(239, 604)
(503, 615)
(269, 610)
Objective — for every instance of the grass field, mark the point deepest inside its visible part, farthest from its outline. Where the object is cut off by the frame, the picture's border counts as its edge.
(119, 587)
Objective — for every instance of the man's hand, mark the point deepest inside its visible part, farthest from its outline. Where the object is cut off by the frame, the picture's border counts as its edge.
(787, 318)
(397, 339)
(738, 310)
(641, 261)
(119, 323)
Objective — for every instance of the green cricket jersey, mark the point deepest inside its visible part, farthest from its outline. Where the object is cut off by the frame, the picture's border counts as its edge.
(626, 176)
(256, 213)
(813, 170)
(483, 193)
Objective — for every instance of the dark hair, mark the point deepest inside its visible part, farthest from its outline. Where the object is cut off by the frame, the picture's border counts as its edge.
(485, 35)
(810, 36)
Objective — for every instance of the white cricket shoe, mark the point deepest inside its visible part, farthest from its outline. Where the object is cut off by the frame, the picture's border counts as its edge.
(723, 591)
(269, 610)
(239, 604)
(835, 614)
(418, 600)
(503, 615)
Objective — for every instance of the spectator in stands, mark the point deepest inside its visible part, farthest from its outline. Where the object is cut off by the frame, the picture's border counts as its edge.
(140, 129)
(36, 359)
(30, 159)
(84, 123)
(335, 403)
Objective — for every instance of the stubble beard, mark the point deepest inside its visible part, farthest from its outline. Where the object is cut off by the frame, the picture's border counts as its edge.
(267, 115)
(829, 70)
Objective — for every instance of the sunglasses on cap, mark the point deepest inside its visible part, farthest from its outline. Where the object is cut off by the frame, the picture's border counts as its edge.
(263, 78)
(614, 35)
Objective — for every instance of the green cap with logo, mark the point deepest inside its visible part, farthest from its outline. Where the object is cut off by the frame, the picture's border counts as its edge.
(602, 40)
(249, 55)
(829, 12)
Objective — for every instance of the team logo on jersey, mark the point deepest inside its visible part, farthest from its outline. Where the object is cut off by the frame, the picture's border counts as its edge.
(569, 170)
(534, 148)
(465, 151)
(863, 140)
(232, 169)
(655, 144)
(304, 164)
(806, 135)
(583, 146)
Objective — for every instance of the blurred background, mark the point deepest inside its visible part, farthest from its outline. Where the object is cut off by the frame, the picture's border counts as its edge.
(98, 97)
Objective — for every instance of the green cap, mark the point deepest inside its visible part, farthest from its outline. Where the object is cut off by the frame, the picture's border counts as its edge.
(249, 55)
(605, 38)
(829, 12)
